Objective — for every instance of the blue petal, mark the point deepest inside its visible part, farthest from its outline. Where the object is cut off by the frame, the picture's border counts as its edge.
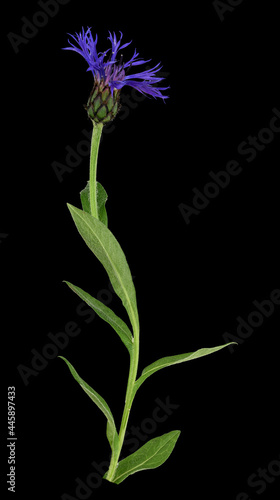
(112, 71)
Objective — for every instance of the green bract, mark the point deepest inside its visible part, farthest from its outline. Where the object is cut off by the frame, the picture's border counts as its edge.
(92, 223)
(102, 106)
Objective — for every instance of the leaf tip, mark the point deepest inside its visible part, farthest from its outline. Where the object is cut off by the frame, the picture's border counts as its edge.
(67, 282)
(177, 433)
(72, 208)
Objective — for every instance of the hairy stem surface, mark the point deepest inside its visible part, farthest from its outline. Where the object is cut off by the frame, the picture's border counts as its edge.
(95, 141)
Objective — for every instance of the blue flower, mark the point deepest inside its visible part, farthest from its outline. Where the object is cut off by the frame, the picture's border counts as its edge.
(108, 67)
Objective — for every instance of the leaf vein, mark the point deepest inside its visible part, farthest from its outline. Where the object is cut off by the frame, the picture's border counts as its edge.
(142, 463)
(114, 269)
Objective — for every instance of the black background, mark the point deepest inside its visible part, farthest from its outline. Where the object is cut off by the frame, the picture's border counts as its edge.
(192, 280)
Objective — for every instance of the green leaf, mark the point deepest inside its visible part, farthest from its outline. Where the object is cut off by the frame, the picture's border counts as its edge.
(151, 455)
(173, 360)
(107, 249)
(107, 314)
(84, 195)
(101, 200)
(112, 434)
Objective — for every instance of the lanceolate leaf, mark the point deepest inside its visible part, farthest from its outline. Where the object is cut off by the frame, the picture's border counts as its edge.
(107, 314)
(151, 455)
(107, 249)
(101, 200)
(173, 360)
(84, 195)
(112, 434)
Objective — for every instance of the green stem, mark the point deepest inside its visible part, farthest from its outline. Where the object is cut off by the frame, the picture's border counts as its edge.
(95, 140)
(134, 357)
(134, 360)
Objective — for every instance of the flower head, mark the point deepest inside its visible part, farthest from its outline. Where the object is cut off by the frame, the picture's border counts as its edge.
(109, 69)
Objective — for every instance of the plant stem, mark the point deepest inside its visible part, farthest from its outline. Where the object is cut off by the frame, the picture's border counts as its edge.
(134, 360)
(95, 140)
(134, 356)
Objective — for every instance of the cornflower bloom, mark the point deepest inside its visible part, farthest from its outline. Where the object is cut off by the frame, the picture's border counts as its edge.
(111, 74)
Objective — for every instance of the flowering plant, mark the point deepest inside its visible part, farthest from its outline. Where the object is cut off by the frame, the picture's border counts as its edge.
(111, 74)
